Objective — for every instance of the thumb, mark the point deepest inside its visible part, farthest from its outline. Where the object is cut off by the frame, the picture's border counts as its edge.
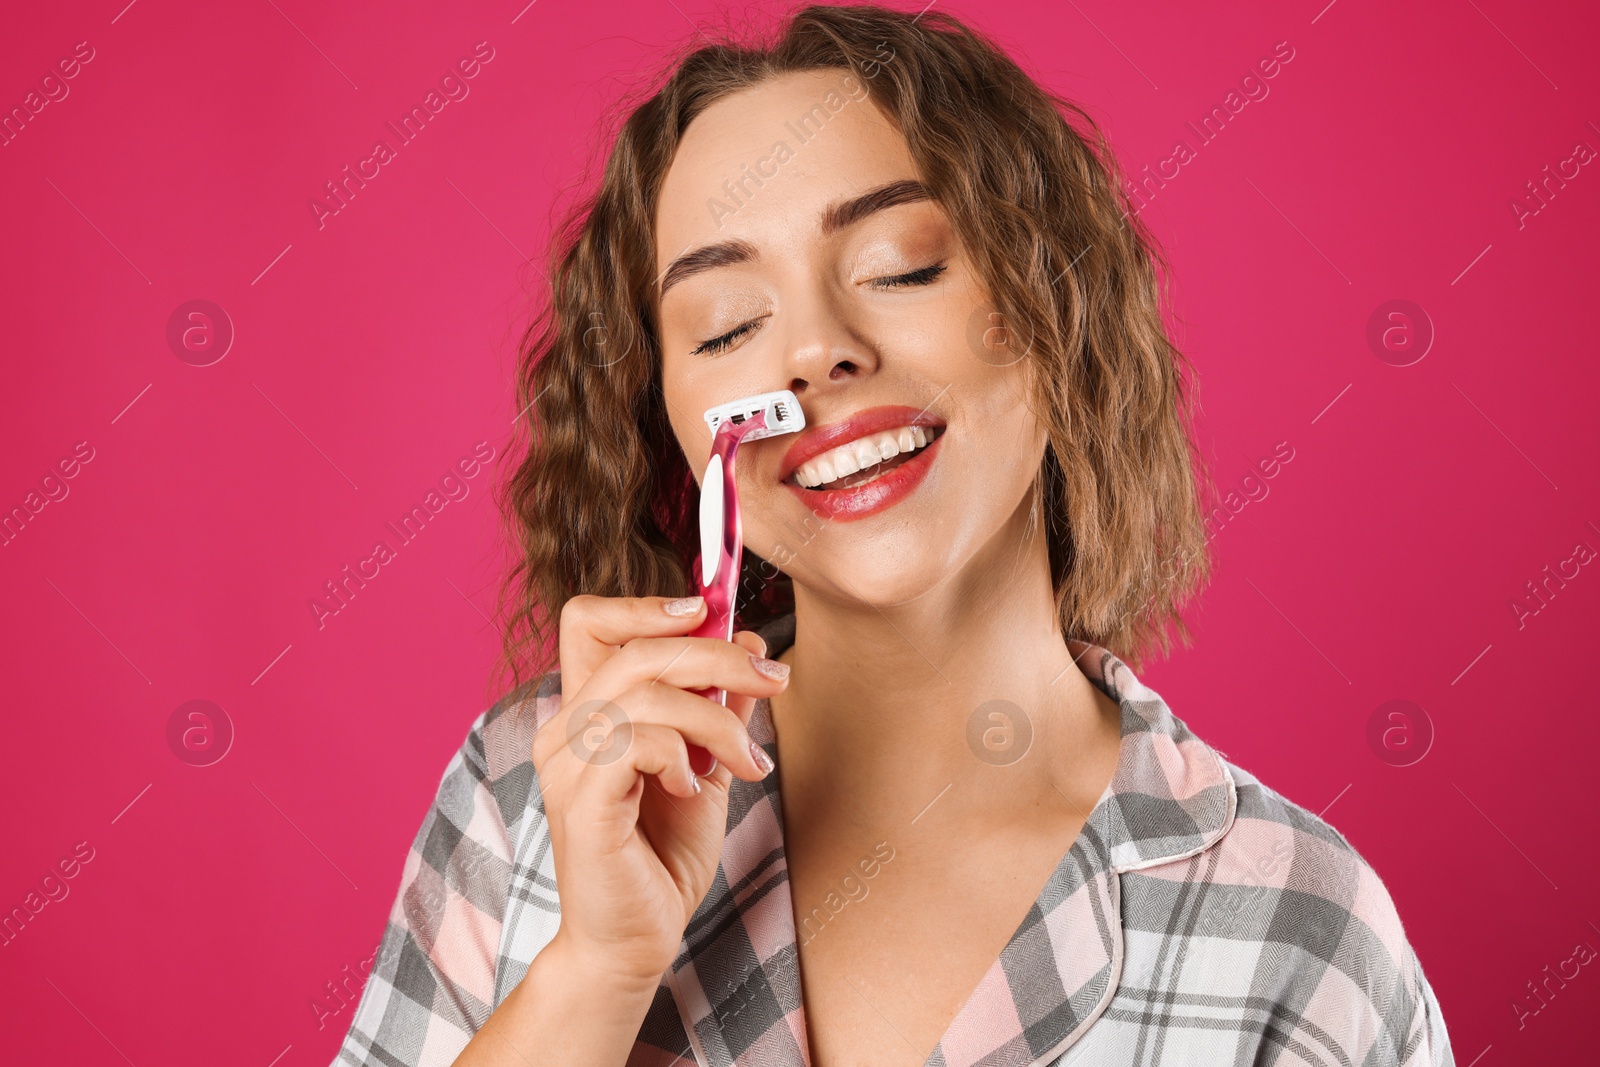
(742, 704)
(751, 641)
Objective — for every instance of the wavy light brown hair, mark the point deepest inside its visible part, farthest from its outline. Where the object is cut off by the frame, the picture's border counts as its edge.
(602, 500)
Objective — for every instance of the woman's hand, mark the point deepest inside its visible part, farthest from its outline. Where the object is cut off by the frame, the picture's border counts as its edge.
(636, 837)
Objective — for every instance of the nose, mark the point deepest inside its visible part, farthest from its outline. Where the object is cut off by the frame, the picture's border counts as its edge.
(821, 351)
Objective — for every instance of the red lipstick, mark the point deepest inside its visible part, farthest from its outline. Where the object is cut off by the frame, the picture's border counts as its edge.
(858, 502)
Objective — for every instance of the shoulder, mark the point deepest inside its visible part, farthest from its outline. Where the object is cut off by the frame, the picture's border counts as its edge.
(1284, 923)
(1293, 849)
(487, 803)
(1281, 873)
(1287, 904)
(437, 973)
(497, 754)
(1296, 880)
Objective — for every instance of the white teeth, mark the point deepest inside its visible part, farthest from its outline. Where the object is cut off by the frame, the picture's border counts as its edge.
(859, 454)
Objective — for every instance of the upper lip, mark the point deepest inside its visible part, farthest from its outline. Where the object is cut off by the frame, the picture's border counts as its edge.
(820, 439)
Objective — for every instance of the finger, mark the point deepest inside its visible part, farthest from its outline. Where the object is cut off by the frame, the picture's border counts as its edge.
(592, 628)
(600, 733)
(752, 641)
(702, 722)
(694, 664)
(742, 704)
(652, 749)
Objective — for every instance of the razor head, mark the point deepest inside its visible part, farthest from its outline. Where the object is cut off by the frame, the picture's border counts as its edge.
(781, 407)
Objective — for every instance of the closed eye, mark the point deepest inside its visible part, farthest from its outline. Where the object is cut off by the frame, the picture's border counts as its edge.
(717, 344)
(917, 277)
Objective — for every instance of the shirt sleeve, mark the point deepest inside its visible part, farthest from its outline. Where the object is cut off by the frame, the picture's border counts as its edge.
(1352, 990)
(1375, 996)
(432, 984)
(1428, 1042)
(1399, 1021)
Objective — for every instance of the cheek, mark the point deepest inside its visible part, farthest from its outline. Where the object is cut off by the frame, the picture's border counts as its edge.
(996, 404)
(676, 386)
(966, 345)
(685, 400)
(1032, 433)
(1006, 440)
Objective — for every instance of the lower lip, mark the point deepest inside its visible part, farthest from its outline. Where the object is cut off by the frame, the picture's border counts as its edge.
(848, 505)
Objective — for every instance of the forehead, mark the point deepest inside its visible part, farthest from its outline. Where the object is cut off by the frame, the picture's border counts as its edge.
(762, 163)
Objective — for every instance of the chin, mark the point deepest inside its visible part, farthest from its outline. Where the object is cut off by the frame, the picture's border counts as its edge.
(870, 580)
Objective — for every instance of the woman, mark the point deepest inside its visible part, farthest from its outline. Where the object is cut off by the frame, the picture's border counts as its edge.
(986, 842)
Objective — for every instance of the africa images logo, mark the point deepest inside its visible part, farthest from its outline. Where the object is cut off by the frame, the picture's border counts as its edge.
(453, 87)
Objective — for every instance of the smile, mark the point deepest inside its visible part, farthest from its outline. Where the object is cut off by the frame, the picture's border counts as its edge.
(868, 462)
(865, 459)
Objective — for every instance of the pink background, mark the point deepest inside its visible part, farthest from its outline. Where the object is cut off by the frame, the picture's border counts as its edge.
(374, 353)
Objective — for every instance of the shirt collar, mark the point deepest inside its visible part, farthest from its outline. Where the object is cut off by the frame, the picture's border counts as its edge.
(736, 980)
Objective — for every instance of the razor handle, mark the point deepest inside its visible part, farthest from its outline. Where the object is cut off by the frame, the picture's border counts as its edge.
(721, 538)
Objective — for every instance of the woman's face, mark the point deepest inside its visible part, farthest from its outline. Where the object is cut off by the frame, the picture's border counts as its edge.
(874, 307)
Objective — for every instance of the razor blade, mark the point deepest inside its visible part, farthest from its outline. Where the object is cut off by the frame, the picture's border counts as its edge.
(781, 406)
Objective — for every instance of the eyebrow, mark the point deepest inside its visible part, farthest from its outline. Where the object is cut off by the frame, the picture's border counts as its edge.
(835, 217)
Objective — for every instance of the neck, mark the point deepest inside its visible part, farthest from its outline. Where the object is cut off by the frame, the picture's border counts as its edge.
(887, 707)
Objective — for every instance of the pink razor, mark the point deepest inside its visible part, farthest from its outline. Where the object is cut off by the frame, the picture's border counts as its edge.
(721, 535)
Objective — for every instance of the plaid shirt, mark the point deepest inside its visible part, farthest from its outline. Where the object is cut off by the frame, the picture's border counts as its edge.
(1199, 918)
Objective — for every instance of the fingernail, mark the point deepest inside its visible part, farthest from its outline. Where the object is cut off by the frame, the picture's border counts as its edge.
(695, 781)
(770, 667)
(683, 606)
(763, 760)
